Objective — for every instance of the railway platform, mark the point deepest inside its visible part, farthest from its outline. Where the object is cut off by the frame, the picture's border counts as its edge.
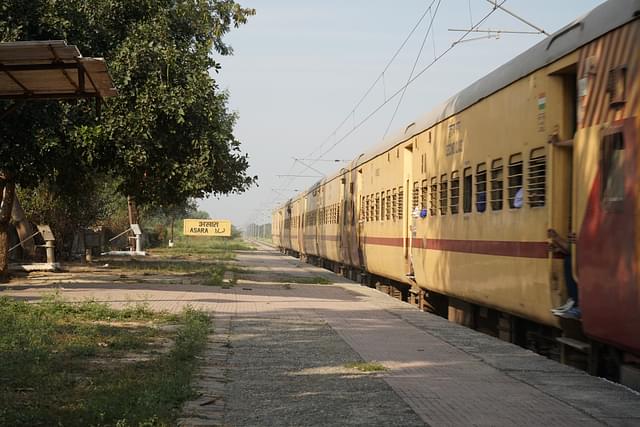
(282, 351)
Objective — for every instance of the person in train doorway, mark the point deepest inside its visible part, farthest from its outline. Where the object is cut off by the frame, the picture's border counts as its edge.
(570, 309)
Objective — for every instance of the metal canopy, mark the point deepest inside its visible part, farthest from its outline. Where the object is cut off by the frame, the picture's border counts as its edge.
(51, 70)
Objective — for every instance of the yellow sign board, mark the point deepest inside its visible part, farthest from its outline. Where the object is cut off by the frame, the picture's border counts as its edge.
(207, 227)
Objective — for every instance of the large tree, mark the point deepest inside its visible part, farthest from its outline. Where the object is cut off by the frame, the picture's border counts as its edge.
(166, 138)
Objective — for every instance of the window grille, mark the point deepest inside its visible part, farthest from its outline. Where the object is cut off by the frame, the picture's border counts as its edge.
(467, 190)
(377, 206)
(433, 207)
(425, 193)
(389, 206)
(515, 189)
(383, 203)
(415, 200)
(443, 194)
(497, 185)
(537, 178)
(368, 207)
(455, 192)
(394, 198)
(400, 202)
(481, 187)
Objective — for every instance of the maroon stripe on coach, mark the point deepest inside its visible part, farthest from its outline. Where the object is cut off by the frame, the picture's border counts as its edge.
(481, 247)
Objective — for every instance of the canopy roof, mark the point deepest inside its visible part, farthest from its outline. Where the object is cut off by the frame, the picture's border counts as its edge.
(51, 70)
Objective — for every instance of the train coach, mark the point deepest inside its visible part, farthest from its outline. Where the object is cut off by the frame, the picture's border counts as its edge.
(462, 212)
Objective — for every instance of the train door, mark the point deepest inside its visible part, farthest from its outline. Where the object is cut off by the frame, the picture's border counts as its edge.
(359, 223)
(350, 247)
(287, 227)
(354, 253)
(304, 237)
(561, 189)
(406, 204)
(342, 225)
(607, 244)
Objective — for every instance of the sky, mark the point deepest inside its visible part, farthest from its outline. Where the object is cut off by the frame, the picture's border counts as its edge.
(300, 68)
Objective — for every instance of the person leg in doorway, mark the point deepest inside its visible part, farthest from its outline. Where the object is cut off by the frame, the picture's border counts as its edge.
(571, 309)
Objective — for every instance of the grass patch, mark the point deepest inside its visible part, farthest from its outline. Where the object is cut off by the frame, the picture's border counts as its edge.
(87, 364)
(215, 276)
(366, 366)
(218, 248)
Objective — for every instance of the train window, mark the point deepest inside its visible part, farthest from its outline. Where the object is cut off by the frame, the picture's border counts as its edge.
(377, 206)
(389, 211)
(455, 192)
(443, 194)
(481, 187)
(415, 195)
(537, 178)
(373, 207)
(400, 202)
(394, 201)
(497, 185)
(425, 194)
(366, 208)
(467, 190)
(515, 189)
(433, 206)
(612, 158)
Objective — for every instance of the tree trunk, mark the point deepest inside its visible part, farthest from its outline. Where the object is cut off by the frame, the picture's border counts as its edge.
(7, 192)
(133, 210)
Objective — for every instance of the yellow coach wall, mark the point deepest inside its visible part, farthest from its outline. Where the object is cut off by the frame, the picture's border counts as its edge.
(296, 224)
(328, 239)
(310, 203)
(506, 123)
(382, 254)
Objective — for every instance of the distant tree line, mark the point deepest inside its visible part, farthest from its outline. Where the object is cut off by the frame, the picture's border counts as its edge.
(165, 140)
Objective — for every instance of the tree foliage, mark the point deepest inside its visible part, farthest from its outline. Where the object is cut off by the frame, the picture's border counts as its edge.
(168, 136)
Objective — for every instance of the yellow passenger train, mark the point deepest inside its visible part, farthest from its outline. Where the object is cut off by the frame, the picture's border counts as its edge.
(455, 212)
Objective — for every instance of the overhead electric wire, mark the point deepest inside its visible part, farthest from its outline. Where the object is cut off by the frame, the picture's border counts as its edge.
(375, 82)
(413, 69)
(420, 73)
(351, 113)
(495, 4)
(408, 83)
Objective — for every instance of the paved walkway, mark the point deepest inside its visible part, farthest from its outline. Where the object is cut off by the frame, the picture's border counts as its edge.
(285, 348)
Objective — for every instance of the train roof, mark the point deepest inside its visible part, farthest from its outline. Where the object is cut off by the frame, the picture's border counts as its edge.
(599, 21)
